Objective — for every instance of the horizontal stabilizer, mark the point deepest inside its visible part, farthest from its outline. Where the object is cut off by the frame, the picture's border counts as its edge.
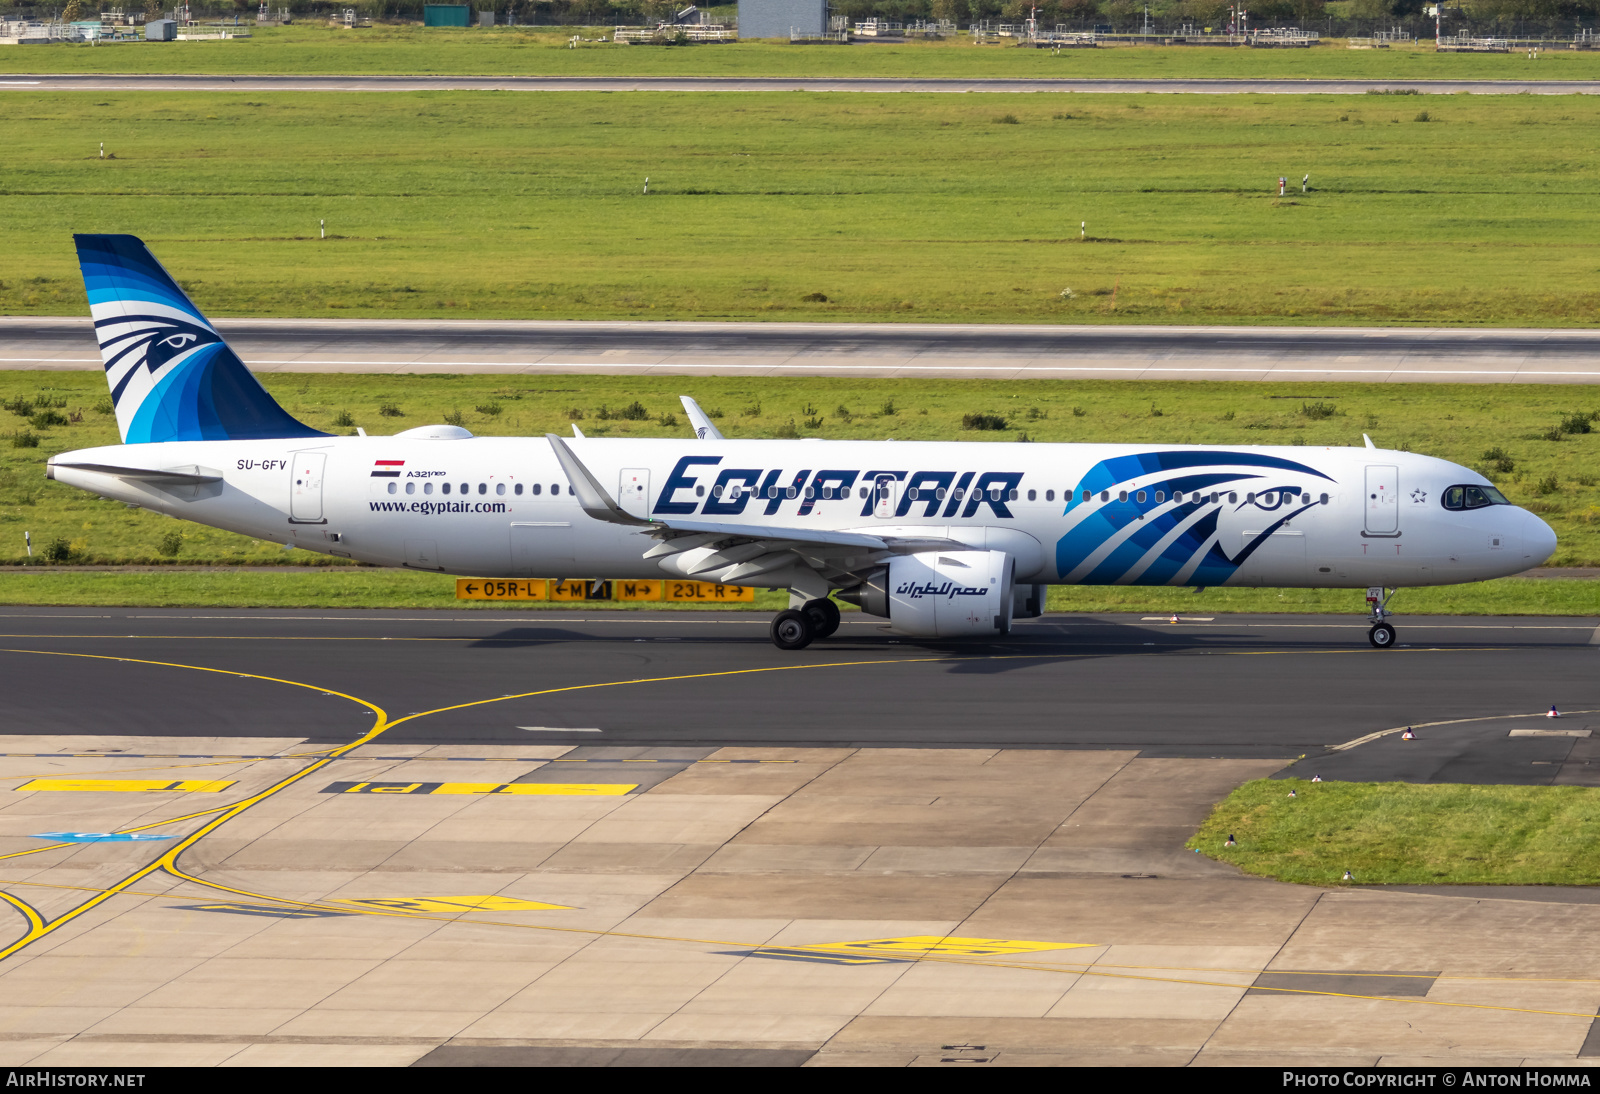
(190, 475)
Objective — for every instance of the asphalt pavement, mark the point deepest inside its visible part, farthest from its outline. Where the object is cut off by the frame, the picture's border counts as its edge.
(918, 350)
(200, 82)
(1234, 686)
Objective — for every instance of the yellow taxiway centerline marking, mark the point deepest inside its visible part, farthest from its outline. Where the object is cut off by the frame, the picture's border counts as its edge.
(167, 862)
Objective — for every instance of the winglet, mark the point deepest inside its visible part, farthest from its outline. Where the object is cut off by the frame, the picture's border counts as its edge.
(576, 432)
(592, 498)
(701, 421)
(1368, 440)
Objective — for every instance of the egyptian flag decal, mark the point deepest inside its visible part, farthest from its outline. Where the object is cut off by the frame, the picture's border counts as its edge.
(387, 469)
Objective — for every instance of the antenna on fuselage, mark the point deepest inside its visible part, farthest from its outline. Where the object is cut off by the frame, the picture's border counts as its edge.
(1368, 440)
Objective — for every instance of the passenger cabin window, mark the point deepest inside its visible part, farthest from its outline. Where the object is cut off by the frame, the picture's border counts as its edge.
(391, 488)
(1139, 497)
(1472, 497)
(1049, 495)
(1161, 495)
(499, 488)
(427, 488)
(411, 488)
(1087, 495)
(1033, 495)
(445, 487)
(483, 488)
(535, 489)
(517, 490)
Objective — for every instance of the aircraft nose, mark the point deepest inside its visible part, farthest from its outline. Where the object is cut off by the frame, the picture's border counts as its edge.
(1538, 538)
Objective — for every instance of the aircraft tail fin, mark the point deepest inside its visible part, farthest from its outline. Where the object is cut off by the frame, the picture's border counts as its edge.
(172, 376)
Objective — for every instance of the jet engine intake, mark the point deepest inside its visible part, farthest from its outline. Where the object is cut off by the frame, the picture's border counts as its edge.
(940, 594)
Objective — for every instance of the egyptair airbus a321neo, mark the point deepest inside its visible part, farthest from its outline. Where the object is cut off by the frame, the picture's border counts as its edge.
(942, 540)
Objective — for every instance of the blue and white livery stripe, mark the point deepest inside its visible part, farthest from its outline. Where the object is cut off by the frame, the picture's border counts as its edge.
(1174, 541)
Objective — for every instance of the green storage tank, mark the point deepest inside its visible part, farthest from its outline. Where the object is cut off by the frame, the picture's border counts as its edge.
(446, 15)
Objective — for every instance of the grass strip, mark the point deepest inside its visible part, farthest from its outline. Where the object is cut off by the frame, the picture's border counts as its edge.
(1510, 432)
(1048, 208)
(365, 587)
(1405, 834)
(307, 49)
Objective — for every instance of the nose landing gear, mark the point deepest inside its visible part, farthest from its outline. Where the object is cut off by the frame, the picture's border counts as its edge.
(1382, 634)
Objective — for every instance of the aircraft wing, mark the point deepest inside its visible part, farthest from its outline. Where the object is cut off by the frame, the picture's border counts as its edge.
(731, 552)
(700, 420)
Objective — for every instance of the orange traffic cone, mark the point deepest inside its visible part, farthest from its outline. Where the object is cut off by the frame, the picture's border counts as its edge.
(1554, 713)
(1408, 735)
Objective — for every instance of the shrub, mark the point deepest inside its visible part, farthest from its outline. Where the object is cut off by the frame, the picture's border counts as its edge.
(19, 406)
(45, 419)
(887, 410)
(105, 406)
(787, 431)
(1318, 411)
(453, 418)
(1078, 412)
(634, 412)
(814, 298)
(1228, 417)
(1155, 411)
(1547, 485)
(669, 419)
(58, 550)
(24, 439)
(390, 410)
(813, 422)
(752, 411)
(575, 414)
(488, 409)
(1034, 414)
(842, 412)
(1422, 116)
(715, 413)
(983, 421)
(343, 420)
(1007, 119)
(171, 544)
(1497, 459)
(1577, 422)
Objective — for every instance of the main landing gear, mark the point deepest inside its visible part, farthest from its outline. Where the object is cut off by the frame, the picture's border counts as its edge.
(1382, 634)
(797, 628)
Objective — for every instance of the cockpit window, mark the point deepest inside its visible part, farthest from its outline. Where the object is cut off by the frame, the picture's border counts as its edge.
(1472, 497)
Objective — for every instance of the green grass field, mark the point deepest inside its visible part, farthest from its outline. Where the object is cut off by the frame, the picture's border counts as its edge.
(1401, 834)
(1557, 478)
(891, 207)
(309, 49)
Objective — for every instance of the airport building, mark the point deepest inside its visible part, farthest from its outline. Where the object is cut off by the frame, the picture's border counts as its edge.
(781, 18)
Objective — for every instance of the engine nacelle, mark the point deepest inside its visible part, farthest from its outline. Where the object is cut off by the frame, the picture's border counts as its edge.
(940, 594)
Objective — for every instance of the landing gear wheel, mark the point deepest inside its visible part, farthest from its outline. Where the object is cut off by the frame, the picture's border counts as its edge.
(1381, 635)
(824, 616)
(792, 630)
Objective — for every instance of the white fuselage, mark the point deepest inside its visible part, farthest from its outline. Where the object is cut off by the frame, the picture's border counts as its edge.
(501, 507)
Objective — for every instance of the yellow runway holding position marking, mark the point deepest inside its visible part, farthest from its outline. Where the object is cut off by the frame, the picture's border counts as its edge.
(139, 786)
(562, 789)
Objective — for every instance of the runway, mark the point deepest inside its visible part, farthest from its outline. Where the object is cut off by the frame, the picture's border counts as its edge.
(701, 84)
(510, 347)
(1234, 686)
